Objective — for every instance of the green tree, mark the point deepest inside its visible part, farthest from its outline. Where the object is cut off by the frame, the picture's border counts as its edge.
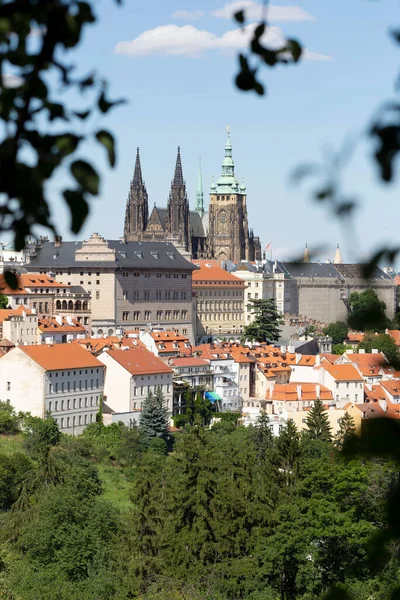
(340, 348)
(318, 423)
(262, 435)
(383, 343)
(40, 435)
(347, 430)
(337, 331)
(154, 421)
(3, 301)
(367, 312)
(265, 326)
(198, 408)
(289, 452)
(13, 470)
(9, 420)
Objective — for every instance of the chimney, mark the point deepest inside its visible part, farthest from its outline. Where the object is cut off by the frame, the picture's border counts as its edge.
(58, 318)
(361, 351)
(299, 392)
(283, 349)
(318, 391)
(57, 241)
(317, 360)
(375, 351)
(291, 349)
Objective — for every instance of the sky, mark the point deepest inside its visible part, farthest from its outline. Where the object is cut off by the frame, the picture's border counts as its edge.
(175, 62)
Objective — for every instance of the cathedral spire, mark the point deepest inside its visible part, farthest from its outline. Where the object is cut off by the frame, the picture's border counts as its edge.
(306, 255)
(199, 194)
(178, 177)
(228, 183)
(338, 257)
(137, 174)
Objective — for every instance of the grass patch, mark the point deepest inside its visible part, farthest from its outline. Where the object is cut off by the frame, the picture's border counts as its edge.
(10, 444)
(116, 485)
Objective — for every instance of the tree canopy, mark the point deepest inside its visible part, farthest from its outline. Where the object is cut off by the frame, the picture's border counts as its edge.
(367, 312)
(383, 343)
(265, 325)
(337, 331)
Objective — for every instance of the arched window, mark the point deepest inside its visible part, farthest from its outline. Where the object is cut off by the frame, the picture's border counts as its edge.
(58, 305)
(70, 305)
(78, 305)
(64, 305)
(100, 331)
(110, 332)
(85, 305)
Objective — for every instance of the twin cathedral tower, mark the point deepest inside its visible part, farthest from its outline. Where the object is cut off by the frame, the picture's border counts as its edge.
(222, 233)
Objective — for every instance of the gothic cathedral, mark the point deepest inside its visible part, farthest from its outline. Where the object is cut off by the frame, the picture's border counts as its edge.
(222, 233)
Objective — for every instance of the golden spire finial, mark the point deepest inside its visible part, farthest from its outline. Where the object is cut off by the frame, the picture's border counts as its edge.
(228, 129)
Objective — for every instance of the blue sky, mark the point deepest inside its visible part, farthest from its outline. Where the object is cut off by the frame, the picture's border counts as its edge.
(188, 99)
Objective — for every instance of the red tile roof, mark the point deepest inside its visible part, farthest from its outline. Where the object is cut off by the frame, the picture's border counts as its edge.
(215, 276)
(5, 313)
(188, 362)
(60, 356)
(289, 392)
(25, 281)
(368, 364)
(307, 360)
(52, 326)
(139, 361)
(342, 372)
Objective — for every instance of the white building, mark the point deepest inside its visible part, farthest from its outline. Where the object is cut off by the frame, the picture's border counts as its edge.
(43, 378)
(226, 384)
(60, 330)
(131, 374)
(165, 343)
(19, 326)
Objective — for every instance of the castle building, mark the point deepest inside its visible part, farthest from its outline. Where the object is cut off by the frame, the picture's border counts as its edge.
(222, 233)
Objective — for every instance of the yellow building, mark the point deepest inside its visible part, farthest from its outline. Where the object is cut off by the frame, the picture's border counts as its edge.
(220, 299)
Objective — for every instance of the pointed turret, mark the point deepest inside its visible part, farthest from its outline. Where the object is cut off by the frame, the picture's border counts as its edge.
(178, 208)
(338, 257)
(306, 256)
(178, 177)
(199, 194)
(137, 210)
(227, 183)
(137, 174)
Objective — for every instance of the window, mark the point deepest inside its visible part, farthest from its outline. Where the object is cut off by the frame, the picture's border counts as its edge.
(62, 422)
(337, 384)
(125, 315)
(158, 295)
(159, 315)
(56, 406)
(8, 386)
(136, 315)
(98, 274)
(147, 274)
(50, 404)
(97, 281)
(147, 295)
(136, 295)
(97, 295)
(136, 274)
(159, 275)
(167, 315)
(168, 295)
(147, 315)
(80, 419)
(62, 404)
(183, 295)
(184, 315)
(68, 421)
(175, 295)
(347, 384)
(56, 387)
(124, 295)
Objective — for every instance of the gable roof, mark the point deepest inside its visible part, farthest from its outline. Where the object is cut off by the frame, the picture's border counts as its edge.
(60, 356)
(290, 392)
(342, 372)
(139, 361)
(5, 313)
(196, 224)
(188, 362)
(209, 275)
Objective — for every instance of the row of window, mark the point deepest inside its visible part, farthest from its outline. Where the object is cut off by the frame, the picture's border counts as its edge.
(212, 293)
(73, 404)
(68, 373)
(221, 317)
(220, 305)
(73, 386)
(67, 422)
(161, 315)
(164, 389)
(158, 275)
(348, 384)
(148, 295)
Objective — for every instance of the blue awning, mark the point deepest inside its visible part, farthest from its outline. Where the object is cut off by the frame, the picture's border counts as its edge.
(213, 397)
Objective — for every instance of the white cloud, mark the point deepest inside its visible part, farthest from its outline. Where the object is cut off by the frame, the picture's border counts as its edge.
(188, 15)
(11, 81)
(188, 40)
(254, 11)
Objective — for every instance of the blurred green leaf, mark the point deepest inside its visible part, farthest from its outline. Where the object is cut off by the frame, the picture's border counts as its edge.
(239, 16)
(86, 176)
(11, 279)
(78, 207)
(106, 139)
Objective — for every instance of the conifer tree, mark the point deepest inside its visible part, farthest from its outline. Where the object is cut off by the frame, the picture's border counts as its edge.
(318, 423)
(347, 430)
(262, 435)
(288, 451)
(265, 326)
(154, 420)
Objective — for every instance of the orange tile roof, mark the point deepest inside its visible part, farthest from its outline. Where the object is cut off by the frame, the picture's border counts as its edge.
(370, 411)
(25, 281)
(5, 313)
(307, 360)
(60, 356)
(342, 372)
(289, 392)
(353, 336)
(188, 362)
(95, 345)
(395, 335)
(164, 336)
(139, 361)
(368, 364)
(214, 275)
(51, 325)
(392, 386)
(374, 394)
(330, 357)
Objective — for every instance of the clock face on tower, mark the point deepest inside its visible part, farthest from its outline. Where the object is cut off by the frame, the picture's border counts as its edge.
(222, 218)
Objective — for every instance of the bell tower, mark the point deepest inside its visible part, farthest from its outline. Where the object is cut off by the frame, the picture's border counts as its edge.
(228, 233)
